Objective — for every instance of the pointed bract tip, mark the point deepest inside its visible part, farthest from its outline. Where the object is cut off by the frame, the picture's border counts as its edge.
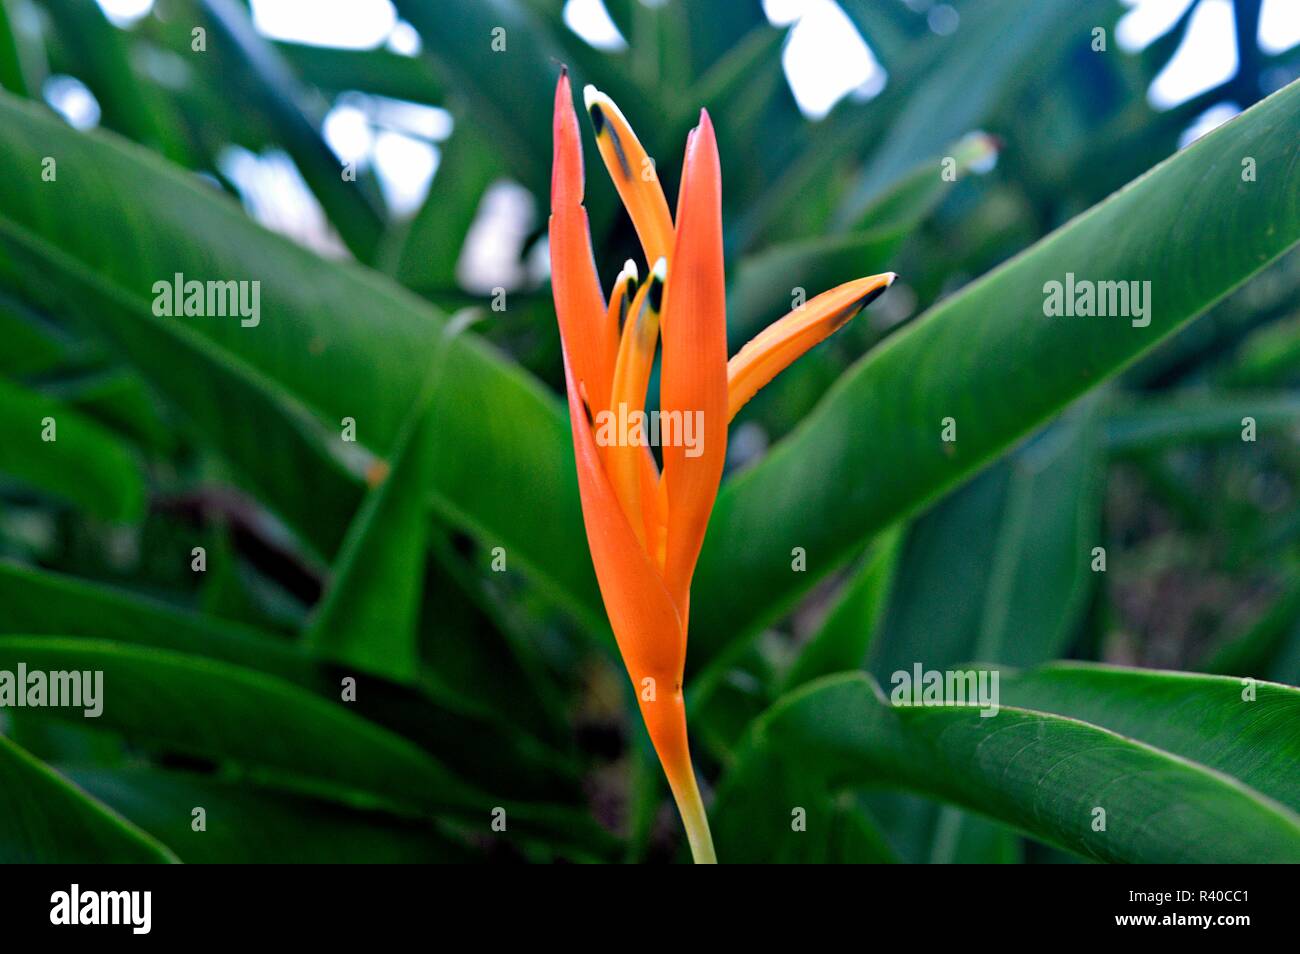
(871, 295)
(600, 106)
(629, 274)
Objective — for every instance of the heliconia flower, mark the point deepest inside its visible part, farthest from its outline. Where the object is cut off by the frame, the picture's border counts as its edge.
(644, 528)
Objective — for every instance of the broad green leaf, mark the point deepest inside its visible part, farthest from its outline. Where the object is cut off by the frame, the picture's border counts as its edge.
(214, 710)
(46, 819)
(1027, 32)
(1180, 419)
(1243, 728)
(119, 399)
(57, 450)
(423, 255)
(30, 346)
(12, 74)
(1256, 652)
(276, 732)
(333, 341)
(496, 56)
(1041, 773)
(918, 114)
(368, 616)
(716, 27)
(844, 639)
(38, 602)
(998, 569)
(989, 358)
(376, 71)
(102, 57)
(913, 196)
(370, 611)
(245, 824)
(1041, 574)
(1268, 358)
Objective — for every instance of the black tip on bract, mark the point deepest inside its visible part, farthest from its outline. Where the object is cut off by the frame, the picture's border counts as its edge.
(597, 118)
(655, 296)
(855, 309)
(871, 296)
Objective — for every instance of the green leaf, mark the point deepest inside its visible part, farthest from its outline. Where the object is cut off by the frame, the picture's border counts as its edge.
(1257, 650)
(988, 357)
(1024, 30)
(998, 569)
(370, 611)
(334, 341)
(376, 71)
(31, 347)
(277, 733)
(264, 78)
(1041, 773)
(209, 709)
(1268, 358)
(12, 73)
(119, 399)
(100, 55)
(41, 603)
(497, 57)
(845, 637)
(1181, 419)
(249, 825)
(80, 462)
(38, 602)
(913, 196)
(1040, 575)
(424, 254)
(45, 819)
(1241, 727)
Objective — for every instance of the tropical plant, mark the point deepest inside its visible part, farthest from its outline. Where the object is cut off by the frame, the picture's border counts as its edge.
(328, 553)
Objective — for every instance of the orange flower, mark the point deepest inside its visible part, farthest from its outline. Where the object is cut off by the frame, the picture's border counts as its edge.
(645, 529)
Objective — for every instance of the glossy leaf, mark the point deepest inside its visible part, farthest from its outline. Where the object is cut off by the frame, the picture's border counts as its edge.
(989, 358)
(51, 447)
(46, 819)
(1039, 772)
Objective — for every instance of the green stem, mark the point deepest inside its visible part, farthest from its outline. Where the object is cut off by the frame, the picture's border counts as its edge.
(691, 807)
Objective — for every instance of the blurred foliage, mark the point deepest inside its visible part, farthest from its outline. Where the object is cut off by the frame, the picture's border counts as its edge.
(391, 638)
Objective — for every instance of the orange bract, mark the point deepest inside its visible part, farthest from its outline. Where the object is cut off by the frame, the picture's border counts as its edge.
(645, 530)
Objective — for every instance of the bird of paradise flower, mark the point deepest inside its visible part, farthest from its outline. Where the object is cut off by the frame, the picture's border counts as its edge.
(645, 528)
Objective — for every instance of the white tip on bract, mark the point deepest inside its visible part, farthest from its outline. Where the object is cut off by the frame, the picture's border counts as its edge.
(630, 272)
(594, 97)
(892, 277)
(660, 270)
